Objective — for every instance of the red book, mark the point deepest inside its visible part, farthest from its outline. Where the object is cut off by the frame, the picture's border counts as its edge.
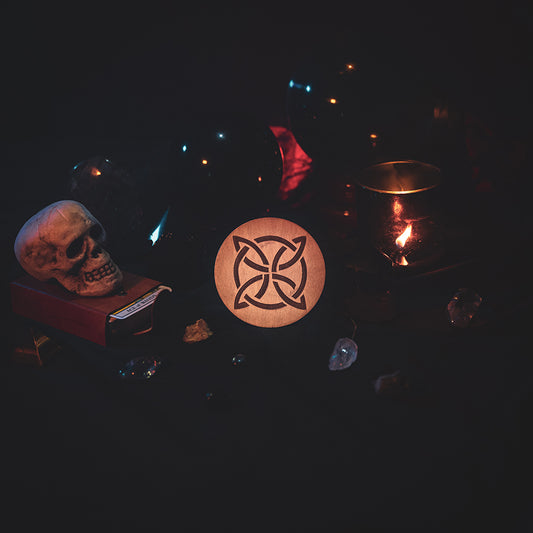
(97, 319)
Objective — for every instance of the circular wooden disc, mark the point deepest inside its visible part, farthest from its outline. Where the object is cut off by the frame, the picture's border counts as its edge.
(269, 272)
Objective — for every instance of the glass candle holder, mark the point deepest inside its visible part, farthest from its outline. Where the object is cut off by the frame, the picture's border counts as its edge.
(399, 207)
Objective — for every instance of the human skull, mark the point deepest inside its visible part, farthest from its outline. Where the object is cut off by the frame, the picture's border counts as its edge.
(63, 241)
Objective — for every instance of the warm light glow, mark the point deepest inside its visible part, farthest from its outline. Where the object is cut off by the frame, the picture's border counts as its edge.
(259, 179)
(403, 261)
(440, 112)
(332, 100)
(95, 172)
(204, 161)
(348, 67)
(374, 136)
(346, 213)
(397, 207)
(402, 239)
(348, 185)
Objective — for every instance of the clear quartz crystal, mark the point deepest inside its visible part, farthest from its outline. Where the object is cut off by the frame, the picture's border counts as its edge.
(344, 354)
(462, 307)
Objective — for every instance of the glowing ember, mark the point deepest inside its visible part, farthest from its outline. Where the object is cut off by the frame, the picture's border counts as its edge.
(402, 239)
(402, 261)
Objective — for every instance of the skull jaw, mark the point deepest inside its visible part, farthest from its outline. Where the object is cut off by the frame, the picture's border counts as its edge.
(101, 287)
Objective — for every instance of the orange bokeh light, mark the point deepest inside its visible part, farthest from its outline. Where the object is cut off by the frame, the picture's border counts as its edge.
(397, 207)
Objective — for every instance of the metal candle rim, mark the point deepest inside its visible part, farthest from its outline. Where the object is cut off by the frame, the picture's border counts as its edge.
(433, 172)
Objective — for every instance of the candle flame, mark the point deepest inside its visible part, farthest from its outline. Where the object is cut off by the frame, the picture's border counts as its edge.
(402, 239)
(403, 261)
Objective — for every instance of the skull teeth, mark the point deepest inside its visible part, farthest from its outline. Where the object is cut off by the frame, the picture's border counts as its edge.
(102, 272)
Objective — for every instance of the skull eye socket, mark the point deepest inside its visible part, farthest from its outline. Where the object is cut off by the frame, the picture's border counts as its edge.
(96, 232)
(75, 248)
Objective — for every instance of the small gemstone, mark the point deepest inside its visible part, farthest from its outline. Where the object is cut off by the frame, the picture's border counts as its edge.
(238, 360)
(462, 307)
(140, 368)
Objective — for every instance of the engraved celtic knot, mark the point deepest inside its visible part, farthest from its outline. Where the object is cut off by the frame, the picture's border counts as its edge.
(289, 292)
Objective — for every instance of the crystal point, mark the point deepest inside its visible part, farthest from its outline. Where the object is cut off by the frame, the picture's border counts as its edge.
(344, 354)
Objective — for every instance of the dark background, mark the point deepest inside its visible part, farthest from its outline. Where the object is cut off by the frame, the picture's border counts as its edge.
(139, 70)
(289, 453)
(142, 72)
